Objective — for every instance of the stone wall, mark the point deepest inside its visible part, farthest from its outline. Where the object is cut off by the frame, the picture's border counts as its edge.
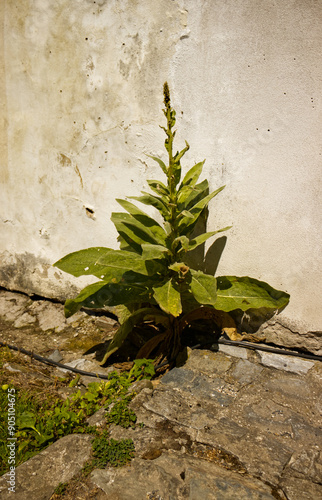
(81, 98)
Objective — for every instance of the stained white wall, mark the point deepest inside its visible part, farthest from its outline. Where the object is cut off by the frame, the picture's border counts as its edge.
(81, 99)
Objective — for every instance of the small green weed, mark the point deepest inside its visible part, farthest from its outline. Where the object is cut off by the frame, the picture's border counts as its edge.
(40, 421)
(111, 452)
(142, 368)
(121, 414)
(61, 488)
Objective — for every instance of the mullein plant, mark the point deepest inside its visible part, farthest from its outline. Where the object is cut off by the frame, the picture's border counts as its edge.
(149, 278)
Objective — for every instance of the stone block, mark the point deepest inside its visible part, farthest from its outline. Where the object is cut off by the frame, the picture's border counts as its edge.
(231, 350)
(38, 477)
(287, 363)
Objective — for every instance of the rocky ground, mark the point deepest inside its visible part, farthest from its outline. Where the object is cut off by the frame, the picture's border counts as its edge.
(231, 424)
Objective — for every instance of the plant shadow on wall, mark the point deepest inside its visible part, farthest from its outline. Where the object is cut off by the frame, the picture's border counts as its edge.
(150, 281)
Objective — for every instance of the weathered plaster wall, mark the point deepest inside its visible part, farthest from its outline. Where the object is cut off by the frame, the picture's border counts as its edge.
(81, 97)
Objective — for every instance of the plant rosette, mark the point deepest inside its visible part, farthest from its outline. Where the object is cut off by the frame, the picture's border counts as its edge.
(149, 279)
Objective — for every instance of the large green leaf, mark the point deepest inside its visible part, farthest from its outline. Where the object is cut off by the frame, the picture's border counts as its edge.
(104, 263)
(86, 298)
(126, 327)
(203, 287)
(122, 261)
(247, 293)
(84, 262)
(168, 298)
(154, 251)
(199, 240)
(143, 233)
(129, 241)
(99, 295)
(144, 220)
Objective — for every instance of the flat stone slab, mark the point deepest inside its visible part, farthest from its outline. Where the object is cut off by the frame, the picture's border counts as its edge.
(265, 418)
(38, 477)
(175, 477)
(287, 363)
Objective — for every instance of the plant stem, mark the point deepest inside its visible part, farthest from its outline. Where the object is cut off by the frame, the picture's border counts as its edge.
(170, 116)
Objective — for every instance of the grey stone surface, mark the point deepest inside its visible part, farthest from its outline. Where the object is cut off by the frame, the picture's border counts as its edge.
(263, 422)
(97, 418)
(55, 356)
(12, 305)
(233, 351)
(209, 363)
(245, 372)
(140, 385)
(301, 489)
(287, 363)
(25, 320)
(280, 334)
(176, 477)
(199, 386)
(38, 477)
(223, 426)
(50, 316)
(143, 479)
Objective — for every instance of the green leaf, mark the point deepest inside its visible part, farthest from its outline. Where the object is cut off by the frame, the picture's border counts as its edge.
(183, 194)
(168, 298)
(189, 196)
(27, 420)
(247, 293)
(203, 287)
(199, 240)
(104, 263)
(123, 312)
(186, 222)
(176, 167)
(127, 326)
(154, 201)
(121, 261)
(159, 188)
(184, 243)
(144, 219)
(129, 241)
(178, 156)
(83, 262)
(99, 295)
(153, 251)
(192, 175)
(185, 213)
(141, 233)
(86, 298)
(160, 162)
